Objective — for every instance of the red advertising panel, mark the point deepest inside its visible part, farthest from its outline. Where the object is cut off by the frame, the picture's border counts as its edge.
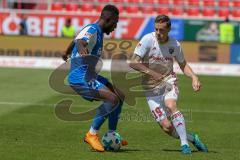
(50, 25)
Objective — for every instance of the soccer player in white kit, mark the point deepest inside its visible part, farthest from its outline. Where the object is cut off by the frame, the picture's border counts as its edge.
(154, 57)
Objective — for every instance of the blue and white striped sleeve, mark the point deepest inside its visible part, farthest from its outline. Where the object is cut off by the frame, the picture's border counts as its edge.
(87, 34)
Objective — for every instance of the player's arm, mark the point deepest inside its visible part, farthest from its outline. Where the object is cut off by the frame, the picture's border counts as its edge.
(86, 36)
(136, 64)
(68, 51)
(82, 46)
(187, 70)
(141, 50)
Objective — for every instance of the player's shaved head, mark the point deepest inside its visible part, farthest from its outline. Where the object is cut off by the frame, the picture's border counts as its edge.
(109, 11)
(109, 18)
(163, 19)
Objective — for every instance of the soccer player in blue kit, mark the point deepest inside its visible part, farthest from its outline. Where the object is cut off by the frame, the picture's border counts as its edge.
(85, 51)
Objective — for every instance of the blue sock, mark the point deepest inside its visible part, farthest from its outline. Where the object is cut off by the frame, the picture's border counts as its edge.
(101, 115)
(114, 117)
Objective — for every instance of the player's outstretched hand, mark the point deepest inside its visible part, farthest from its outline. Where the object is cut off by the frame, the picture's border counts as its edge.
(65, 57)
(196, 84)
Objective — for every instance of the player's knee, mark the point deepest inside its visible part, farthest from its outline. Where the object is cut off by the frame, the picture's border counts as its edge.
(114, 100)
(166, 126)
(172, 106)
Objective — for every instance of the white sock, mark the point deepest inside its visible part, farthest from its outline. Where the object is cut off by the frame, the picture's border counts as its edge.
(189, 135)
(179, 124)
(93, 131)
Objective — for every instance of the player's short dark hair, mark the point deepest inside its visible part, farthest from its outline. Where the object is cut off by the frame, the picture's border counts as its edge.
(113, 10)
(163, 18)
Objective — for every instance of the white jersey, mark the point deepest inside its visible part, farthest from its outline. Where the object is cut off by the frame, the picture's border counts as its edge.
(158, 57)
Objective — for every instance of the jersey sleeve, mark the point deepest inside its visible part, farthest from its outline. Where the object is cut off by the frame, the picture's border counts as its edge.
(179, 55)
(143, 46)
(88, 34)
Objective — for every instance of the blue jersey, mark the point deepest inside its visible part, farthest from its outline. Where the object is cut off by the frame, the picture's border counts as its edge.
(93, 35)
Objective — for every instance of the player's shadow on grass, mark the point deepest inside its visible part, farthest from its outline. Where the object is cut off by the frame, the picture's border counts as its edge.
(193, 151)
(126, 150)
(131, 150)
(174, 150)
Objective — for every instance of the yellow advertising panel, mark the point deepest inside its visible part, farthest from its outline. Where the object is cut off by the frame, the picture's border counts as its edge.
(55, 47)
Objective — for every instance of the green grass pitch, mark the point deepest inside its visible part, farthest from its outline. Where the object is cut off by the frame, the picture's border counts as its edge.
(30, 130)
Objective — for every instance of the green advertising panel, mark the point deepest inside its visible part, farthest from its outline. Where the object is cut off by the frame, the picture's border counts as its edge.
(215, 31)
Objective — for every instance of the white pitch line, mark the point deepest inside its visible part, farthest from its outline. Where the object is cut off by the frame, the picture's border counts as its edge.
(85, 106)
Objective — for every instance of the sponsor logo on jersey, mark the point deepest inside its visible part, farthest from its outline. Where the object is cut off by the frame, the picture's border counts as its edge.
(159, 58)
(88, 35)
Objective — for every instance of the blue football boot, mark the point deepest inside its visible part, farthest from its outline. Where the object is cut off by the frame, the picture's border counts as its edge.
(198, 144)
(186, 149)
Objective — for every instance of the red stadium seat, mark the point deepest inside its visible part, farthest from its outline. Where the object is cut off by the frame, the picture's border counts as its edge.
(208, 12)
(163, 10)
(87, 7)
(118, 1)
(133, 1)
(99, 7)
(236, 3)
(193, 2)
(132, 9)
(208, 2)
(223, 12)
(71, 7)
(178, 2)
(236, 13)
(193, 11)
(57, 6)
(149, 1)
(223, 3)
(163, 2)
(148, 10)
(103, 1)
(41, 6)
(178, 11)
(120, 8)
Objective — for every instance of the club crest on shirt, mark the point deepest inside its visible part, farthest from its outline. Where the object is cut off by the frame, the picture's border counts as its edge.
(171, 50)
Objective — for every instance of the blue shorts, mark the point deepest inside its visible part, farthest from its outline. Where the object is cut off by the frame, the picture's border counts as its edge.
(89, 90)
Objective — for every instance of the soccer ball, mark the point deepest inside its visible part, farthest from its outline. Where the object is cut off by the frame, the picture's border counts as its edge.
(111, 141)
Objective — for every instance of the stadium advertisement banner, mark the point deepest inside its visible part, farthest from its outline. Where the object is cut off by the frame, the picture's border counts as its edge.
(43, 62)
(206, 52)
(235, 54)
(203, 30)
(50, 24)
(177, 28)
(55, 47)
(32, 46)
